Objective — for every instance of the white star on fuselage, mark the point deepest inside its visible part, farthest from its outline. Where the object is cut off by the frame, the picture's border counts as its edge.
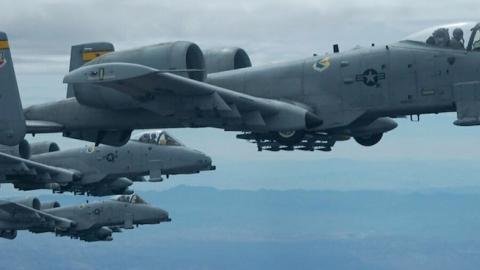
(370, 77)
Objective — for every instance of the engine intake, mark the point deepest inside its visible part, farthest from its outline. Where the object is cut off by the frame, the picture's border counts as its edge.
(30, 202)
(43, 147)
(49, 205)
(224, 59)
(21, 150)
(182, 57)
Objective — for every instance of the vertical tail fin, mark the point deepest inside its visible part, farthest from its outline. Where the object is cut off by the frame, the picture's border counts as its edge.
(12, 120)
(83, 53)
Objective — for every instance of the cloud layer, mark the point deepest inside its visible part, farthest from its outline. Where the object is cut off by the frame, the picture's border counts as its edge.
(43, 31)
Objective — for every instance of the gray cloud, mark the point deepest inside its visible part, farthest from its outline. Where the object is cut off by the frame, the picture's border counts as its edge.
(270, 30)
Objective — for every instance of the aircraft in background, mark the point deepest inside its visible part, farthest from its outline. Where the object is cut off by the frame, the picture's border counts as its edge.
(102, 170)
(90, 222)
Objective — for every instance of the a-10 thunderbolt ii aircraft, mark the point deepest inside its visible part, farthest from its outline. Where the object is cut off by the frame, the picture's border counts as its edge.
(90, 222)
(102, 170)
(307, 104)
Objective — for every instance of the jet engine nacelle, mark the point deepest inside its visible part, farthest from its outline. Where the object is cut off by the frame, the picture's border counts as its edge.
(30, 202)
(181, 58)
(224, 59)
(49, 205)
(21, 150)
(43, 147)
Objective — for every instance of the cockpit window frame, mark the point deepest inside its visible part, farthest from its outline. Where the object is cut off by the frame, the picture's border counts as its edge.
(475, 34)
(147, 138)
(131, 199)
(469, 30)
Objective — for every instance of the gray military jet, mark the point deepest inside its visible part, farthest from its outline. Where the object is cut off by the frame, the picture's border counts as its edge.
(89, 222)
(307, 104)
(102, 170)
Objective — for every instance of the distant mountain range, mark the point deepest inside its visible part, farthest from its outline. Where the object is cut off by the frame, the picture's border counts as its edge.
(228, 229)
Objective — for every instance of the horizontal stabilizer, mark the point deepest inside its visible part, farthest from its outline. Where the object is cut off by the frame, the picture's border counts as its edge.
(83, 53)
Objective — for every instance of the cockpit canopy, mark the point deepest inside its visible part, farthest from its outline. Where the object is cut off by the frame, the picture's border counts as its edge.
(159, 137)
(457, 36)
(132, 199)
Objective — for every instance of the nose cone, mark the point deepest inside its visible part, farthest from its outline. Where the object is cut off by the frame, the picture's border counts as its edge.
(194, 161)
(163, 216)
(205, 162)
(147, 214)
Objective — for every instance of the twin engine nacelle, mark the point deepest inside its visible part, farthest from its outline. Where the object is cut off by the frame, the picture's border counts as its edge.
(43, 147)
(34, 202)
(181, 58)
(31, 202)
(26, 150)
(225, 59)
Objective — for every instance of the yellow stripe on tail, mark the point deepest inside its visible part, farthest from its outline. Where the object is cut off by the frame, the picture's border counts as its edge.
(89, 56)
(4, 44)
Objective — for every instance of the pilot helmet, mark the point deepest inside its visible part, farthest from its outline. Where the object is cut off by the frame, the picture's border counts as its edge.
(442, 37)
(458, 34)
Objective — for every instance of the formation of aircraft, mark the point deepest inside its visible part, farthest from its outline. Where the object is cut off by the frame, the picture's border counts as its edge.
(89, 222)
(308, 104)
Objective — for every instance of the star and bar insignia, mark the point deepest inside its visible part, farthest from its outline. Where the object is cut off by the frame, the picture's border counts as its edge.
(370, 77)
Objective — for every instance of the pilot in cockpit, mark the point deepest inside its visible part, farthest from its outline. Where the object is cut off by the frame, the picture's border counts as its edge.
(145, 138)
(153, 138)
(133, 199)
(439, 38)
(457, 42)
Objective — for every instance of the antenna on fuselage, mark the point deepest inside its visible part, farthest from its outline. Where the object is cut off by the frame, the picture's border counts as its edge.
(336, 48)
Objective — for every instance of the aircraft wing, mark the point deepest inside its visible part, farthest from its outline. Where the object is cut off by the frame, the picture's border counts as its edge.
(23, 211)
(12, 165)
(166, 93)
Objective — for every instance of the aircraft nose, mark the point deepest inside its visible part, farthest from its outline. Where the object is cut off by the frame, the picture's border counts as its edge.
(205, 161)
(163, 216)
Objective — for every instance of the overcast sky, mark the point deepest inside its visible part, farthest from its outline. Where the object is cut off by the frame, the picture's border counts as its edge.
(41, 33)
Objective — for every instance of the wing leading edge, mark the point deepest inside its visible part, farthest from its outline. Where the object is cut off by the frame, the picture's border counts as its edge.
(166, 93)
